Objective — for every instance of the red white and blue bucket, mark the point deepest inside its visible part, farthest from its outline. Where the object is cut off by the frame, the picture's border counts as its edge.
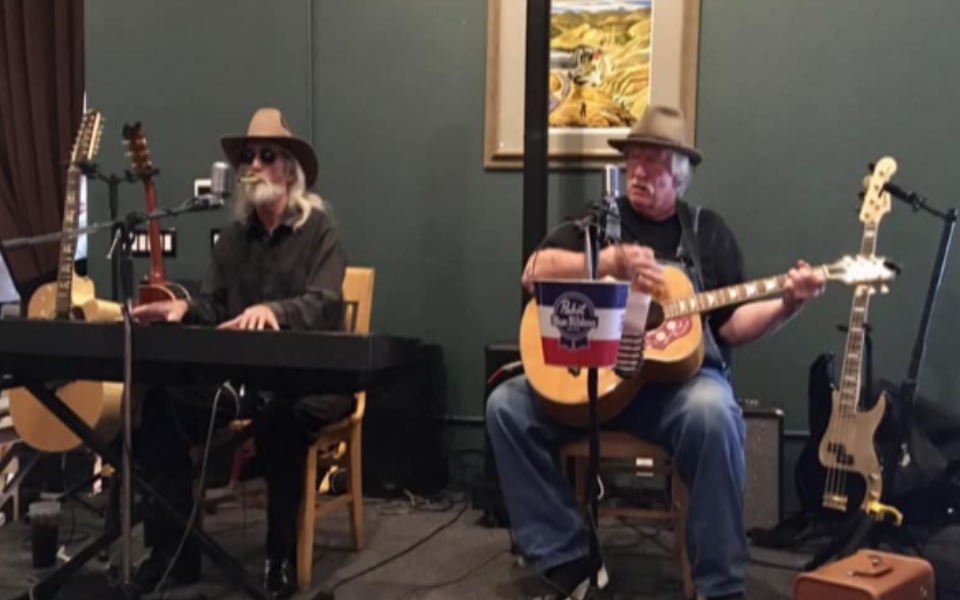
(581, 321)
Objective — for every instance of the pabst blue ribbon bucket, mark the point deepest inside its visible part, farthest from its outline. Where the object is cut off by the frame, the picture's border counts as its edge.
(581, 321)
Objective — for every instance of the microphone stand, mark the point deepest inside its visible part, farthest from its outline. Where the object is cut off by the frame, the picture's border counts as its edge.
(92, 171)
(592, 233)
(860, 529)
(123, 242)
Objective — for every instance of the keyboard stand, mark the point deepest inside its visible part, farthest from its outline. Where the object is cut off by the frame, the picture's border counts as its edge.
(48, 587)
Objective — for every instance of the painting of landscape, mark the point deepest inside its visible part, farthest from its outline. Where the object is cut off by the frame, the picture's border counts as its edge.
(599, 62)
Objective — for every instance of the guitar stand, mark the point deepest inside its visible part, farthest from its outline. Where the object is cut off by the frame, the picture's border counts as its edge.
(48, 587)
(92, 171)
(862, 530)
(9, 488)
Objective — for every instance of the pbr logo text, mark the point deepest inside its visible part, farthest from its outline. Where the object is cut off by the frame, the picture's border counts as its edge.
(575, 317)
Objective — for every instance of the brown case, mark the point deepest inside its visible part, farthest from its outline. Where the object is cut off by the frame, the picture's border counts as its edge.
(868, 575)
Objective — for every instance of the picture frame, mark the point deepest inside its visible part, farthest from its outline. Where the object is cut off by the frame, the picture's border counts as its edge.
(674, 42)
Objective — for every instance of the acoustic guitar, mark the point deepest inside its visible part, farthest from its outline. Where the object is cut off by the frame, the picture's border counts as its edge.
(839, 469)
(155, 287)
(70, 297)
(673, 342)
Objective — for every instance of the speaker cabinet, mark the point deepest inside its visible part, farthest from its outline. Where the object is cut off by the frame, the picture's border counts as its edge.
(402, 432)
(763, 493)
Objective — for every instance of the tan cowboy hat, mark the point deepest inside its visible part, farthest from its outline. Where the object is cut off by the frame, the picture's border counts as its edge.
(660, 126)
(268, 125)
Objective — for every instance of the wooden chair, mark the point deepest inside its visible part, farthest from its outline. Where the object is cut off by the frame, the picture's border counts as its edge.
(339, 444)
(619, 445)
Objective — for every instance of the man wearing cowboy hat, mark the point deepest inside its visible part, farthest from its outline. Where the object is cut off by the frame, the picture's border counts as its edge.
(697, 421)
(279, 264)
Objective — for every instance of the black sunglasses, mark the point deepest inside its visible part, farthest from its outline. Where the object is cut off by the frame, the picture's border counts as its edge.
(267, 156)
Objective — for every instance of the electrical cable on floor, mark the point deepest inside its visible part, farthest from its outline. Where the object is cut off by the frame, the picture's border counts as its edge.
(466, 575)
(201, 489)
(328, 594)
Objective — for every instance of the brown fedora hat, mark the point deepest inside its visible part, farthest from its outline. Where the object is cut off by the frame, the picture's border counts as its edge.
(268, 125)
(660, 126)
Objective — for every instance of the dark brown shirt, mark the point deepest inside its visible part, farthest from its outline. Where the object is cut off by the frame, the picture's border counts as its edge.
(298, 273)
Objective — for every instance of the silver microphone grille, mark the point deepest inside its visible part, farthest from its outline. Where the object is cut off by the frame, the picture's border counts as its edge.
(611, 181)
(221, 180)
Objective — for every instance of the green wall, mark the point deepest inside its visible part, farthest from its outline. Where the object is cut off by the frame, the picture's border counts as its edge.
(795, 98)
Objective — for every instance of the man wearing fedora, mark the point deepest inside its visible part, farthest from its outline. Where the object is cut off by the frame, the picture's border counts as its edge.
(697, 421)
(279, 264)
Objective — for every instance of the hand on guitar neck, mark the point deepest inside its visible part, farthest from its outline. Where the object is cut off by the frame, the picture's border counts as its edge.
(803, 284)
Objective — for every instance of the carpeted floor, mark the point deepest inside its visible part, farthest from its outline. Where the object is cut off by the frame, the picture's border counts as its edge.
(463, 561)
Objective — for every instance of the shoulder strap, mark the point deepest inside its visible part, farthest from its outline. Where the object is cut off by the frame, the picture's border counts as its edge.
(689, 224)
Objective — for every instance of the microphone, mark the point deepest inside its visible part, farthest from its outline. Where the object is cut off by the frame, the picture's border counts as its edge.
(221, 181)
(221, 187)
(611, 189)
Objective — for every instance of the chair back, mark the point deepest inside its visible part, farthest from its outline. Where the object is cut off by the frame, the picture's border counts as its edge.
(358, 298)
(358, 301)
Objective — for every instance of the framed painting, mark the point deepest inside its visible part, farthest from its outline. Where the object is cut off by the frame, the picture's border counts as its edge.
(609, 59)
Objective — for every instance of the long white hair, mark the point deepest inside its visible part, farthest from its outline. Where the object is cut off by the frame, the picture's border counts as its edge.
(301, 200)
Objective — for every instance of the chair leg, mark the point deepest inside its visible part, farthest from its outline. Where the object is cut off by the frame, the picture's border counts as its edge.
(356, 490)
(679, 492)
(308, 508)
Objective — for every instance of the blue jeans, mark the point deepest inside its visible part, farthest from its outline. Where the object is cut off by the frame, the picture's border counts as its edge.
(697, 421)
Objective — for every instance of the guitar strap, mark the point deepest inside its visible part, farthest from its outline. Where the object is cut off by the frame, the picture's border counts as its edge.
(689, 224)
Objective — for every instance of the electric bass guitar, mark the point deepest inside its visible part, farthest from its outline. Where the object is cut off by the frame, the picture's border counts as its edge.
(155, 287)
(839, 469)
(70, 297)
(673, 341)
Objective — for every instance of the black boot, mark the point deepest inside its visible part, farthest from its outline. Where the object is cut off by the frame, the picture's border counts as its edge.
(279, 578)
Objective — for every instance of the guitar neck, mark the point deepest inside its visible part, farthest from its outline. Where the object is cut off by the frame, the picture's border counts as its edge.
(68, 245)
(727, 296)
(856, 332)
(157, 274)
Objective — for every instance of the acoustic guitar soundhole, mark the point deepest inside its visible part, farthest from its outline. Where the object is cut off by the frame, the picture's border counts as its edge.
(654, 315)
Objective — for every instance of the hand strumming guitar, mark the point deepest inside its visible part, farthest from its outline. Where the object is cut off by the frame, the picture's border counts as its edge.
(632, 262)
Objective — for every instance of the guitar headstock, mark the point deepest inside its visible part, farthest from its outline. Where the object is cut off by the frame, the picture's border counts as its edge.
(862, 270)
(876, 202)
(137, 151)
(87, 143)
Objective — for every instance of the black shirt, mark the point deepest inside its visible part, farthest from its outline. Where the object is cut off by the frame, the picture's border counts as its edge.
(720, 255)
(298, 273)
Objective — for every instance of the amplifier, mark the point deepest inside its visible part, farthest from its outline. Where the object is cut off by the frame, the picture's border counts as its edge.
(763, 493)
(402, 432)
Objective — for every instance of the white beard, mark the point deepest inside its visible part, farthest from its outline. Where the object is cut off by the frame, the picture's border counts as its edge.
(263, 192)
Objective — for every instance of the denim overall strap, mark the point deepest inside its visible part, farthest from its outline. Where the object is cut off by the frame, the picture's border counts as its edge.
(688, 259)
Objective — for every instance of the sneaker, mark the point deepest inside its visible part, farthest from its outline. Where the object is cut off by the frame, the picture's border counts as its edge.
(571, 581)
